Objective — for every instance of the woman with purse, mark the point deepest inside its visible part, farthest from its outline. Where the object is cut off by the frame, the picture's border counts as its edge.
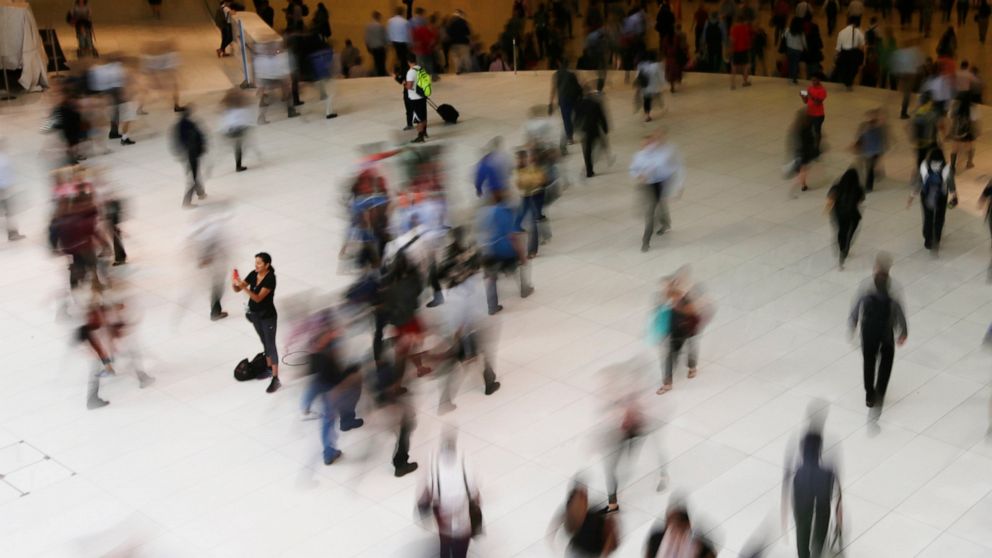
(260, 286)
(453, 497)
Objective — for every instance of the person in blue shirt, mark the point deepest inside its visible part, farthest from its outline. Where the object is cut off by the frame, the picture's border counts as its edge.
(492, 173)
(501, 246)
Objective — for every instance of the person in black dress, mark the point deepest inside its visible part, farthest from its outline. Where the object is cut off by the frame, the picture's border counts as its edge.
(260, 286)
(844, 204)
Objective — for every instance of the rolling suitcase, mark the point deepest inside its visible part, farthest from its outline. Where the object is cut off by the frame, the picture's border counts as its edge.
(447, 113)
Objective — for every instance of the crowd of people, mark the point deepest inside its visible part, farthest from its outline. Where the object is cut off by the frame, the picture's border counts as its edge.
(413, 309)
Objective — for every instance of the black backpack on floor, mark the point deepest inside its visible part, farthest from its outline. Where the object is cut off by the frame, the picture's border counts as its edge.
(256, 369)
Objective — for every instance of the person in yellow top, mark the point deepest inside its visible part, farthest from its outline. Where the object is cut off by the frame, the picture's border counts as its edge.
(531, 180)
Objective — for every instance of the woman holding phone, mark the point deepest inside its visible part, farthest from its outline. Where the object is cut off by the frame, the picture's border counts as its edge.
(260, 286)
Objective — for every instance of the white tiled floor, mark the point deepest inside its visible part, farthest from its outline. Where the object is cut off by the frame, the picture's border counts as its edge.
(200, 465)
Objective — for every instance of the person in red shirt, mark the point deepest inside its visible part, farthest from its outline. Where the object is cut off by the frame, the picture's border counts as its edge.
(740, 51)
(424, 42)
(814, 97)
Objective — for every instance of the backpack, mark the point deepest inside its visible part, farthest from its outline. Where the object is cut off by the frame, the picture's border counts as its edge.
(423, 83)
(931, 187)
(256, 369)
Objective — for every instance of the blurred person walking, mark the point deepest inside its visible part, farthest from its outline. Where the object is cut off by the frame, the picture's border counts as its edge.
(985, 204)
(452, 496)
(793, 45)
(906, 64)
(658, 169)
(273, 68)
(501, 248)
(673, 537)
(7, 193)
(982, 19)
(190, 143)
(222, 19)
(210, 242)
(591, 534)
(963, 131)
(375, 42)
(260, 286)
(459, 34)
(844, 204)
(688, 316)
(872, 140)
(531, 182)
(566, 88)
(811, 485)
(236, 121)
(492, 174)
(814, 98)
(634, 427)
(650, 81)
(937, 192)
(590, 119)
(880, 313)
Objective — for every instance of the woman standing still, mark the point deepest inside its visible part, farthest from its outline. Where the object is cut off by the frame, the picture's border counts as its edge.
(844, 204)
(260, 286)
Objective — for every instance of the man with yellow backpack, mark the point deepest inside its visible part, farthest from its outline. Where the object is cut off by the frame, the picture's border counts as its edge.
(418, 90)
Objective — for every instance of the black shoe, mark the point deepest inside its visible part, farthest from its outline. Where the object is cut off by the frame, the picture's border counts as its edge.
(805, 188)
(177, 108)
(352, 424)
(405, 469)
(869, 401)
(438, 300)
(608, 509)
(218, 316)
(127, 141)
(332, 115)
(407, 128)
(119, 262)
(240, 169)
(96, 403)
(590, 174)
(297, 103)
(329, 459)
(420, 139)
(114, 135)
(292, 114)
(492, 388)
(273, 385)
(495, 310)
(904, 116)
(526, 292)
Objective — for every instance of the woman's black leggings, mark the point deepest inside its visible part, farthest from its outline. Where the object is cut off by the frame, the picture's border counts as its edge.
(266, 330)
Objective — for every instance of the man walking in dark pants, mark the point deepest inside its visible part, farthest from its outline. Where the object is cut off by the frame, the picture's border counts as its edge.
(880, 314)
(812, 485)
(591, 120)
(375, 43)
(190, 143)
(565, 86)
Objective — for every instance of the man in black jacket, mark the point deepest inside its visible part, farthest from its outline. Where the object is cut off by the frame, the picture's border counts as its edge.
(880, 313)
(190, 143)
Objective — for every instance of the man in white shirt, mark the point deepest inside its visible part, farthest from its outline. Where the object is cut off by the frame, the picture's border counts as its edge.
(451, 492)
(398, 31)
(418, 102)
(850, 54)
(6, 187)
(658, 167)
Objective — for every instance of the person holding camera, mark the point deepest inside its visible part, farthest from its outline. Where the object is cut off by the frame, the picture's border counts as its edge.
(260, 286)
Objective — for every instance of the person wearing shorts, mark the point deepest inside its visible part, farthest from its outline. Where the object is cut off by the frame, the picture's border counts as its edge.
(418, 103)
(740, 47)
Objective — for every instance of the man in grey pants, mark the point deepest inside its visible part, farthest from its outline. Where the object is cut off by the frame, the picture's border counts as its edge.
(658, 168)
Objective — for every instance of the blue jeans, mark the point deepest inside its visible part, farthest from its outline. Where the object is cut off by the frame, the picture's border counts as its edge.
(794, 56)
(328, 432)
(530, 209)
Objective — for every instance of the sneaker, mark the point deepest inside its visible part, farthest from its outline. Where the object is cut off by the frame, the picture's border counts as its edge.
(242, 168)
(869, 401)
(492, 388)
(351, 425)
(805, 188)
(405, 469)
(96, 403)
(273, 385)
(332, 115)
(144, 380)
(330, 458)
(609, 509)
(218, 316)
(14, 236)
(127, 141)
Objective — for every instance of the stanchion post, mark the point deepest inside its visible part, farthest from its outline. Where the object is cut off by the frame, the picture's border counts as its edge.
(6, 83)
(514, 56)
